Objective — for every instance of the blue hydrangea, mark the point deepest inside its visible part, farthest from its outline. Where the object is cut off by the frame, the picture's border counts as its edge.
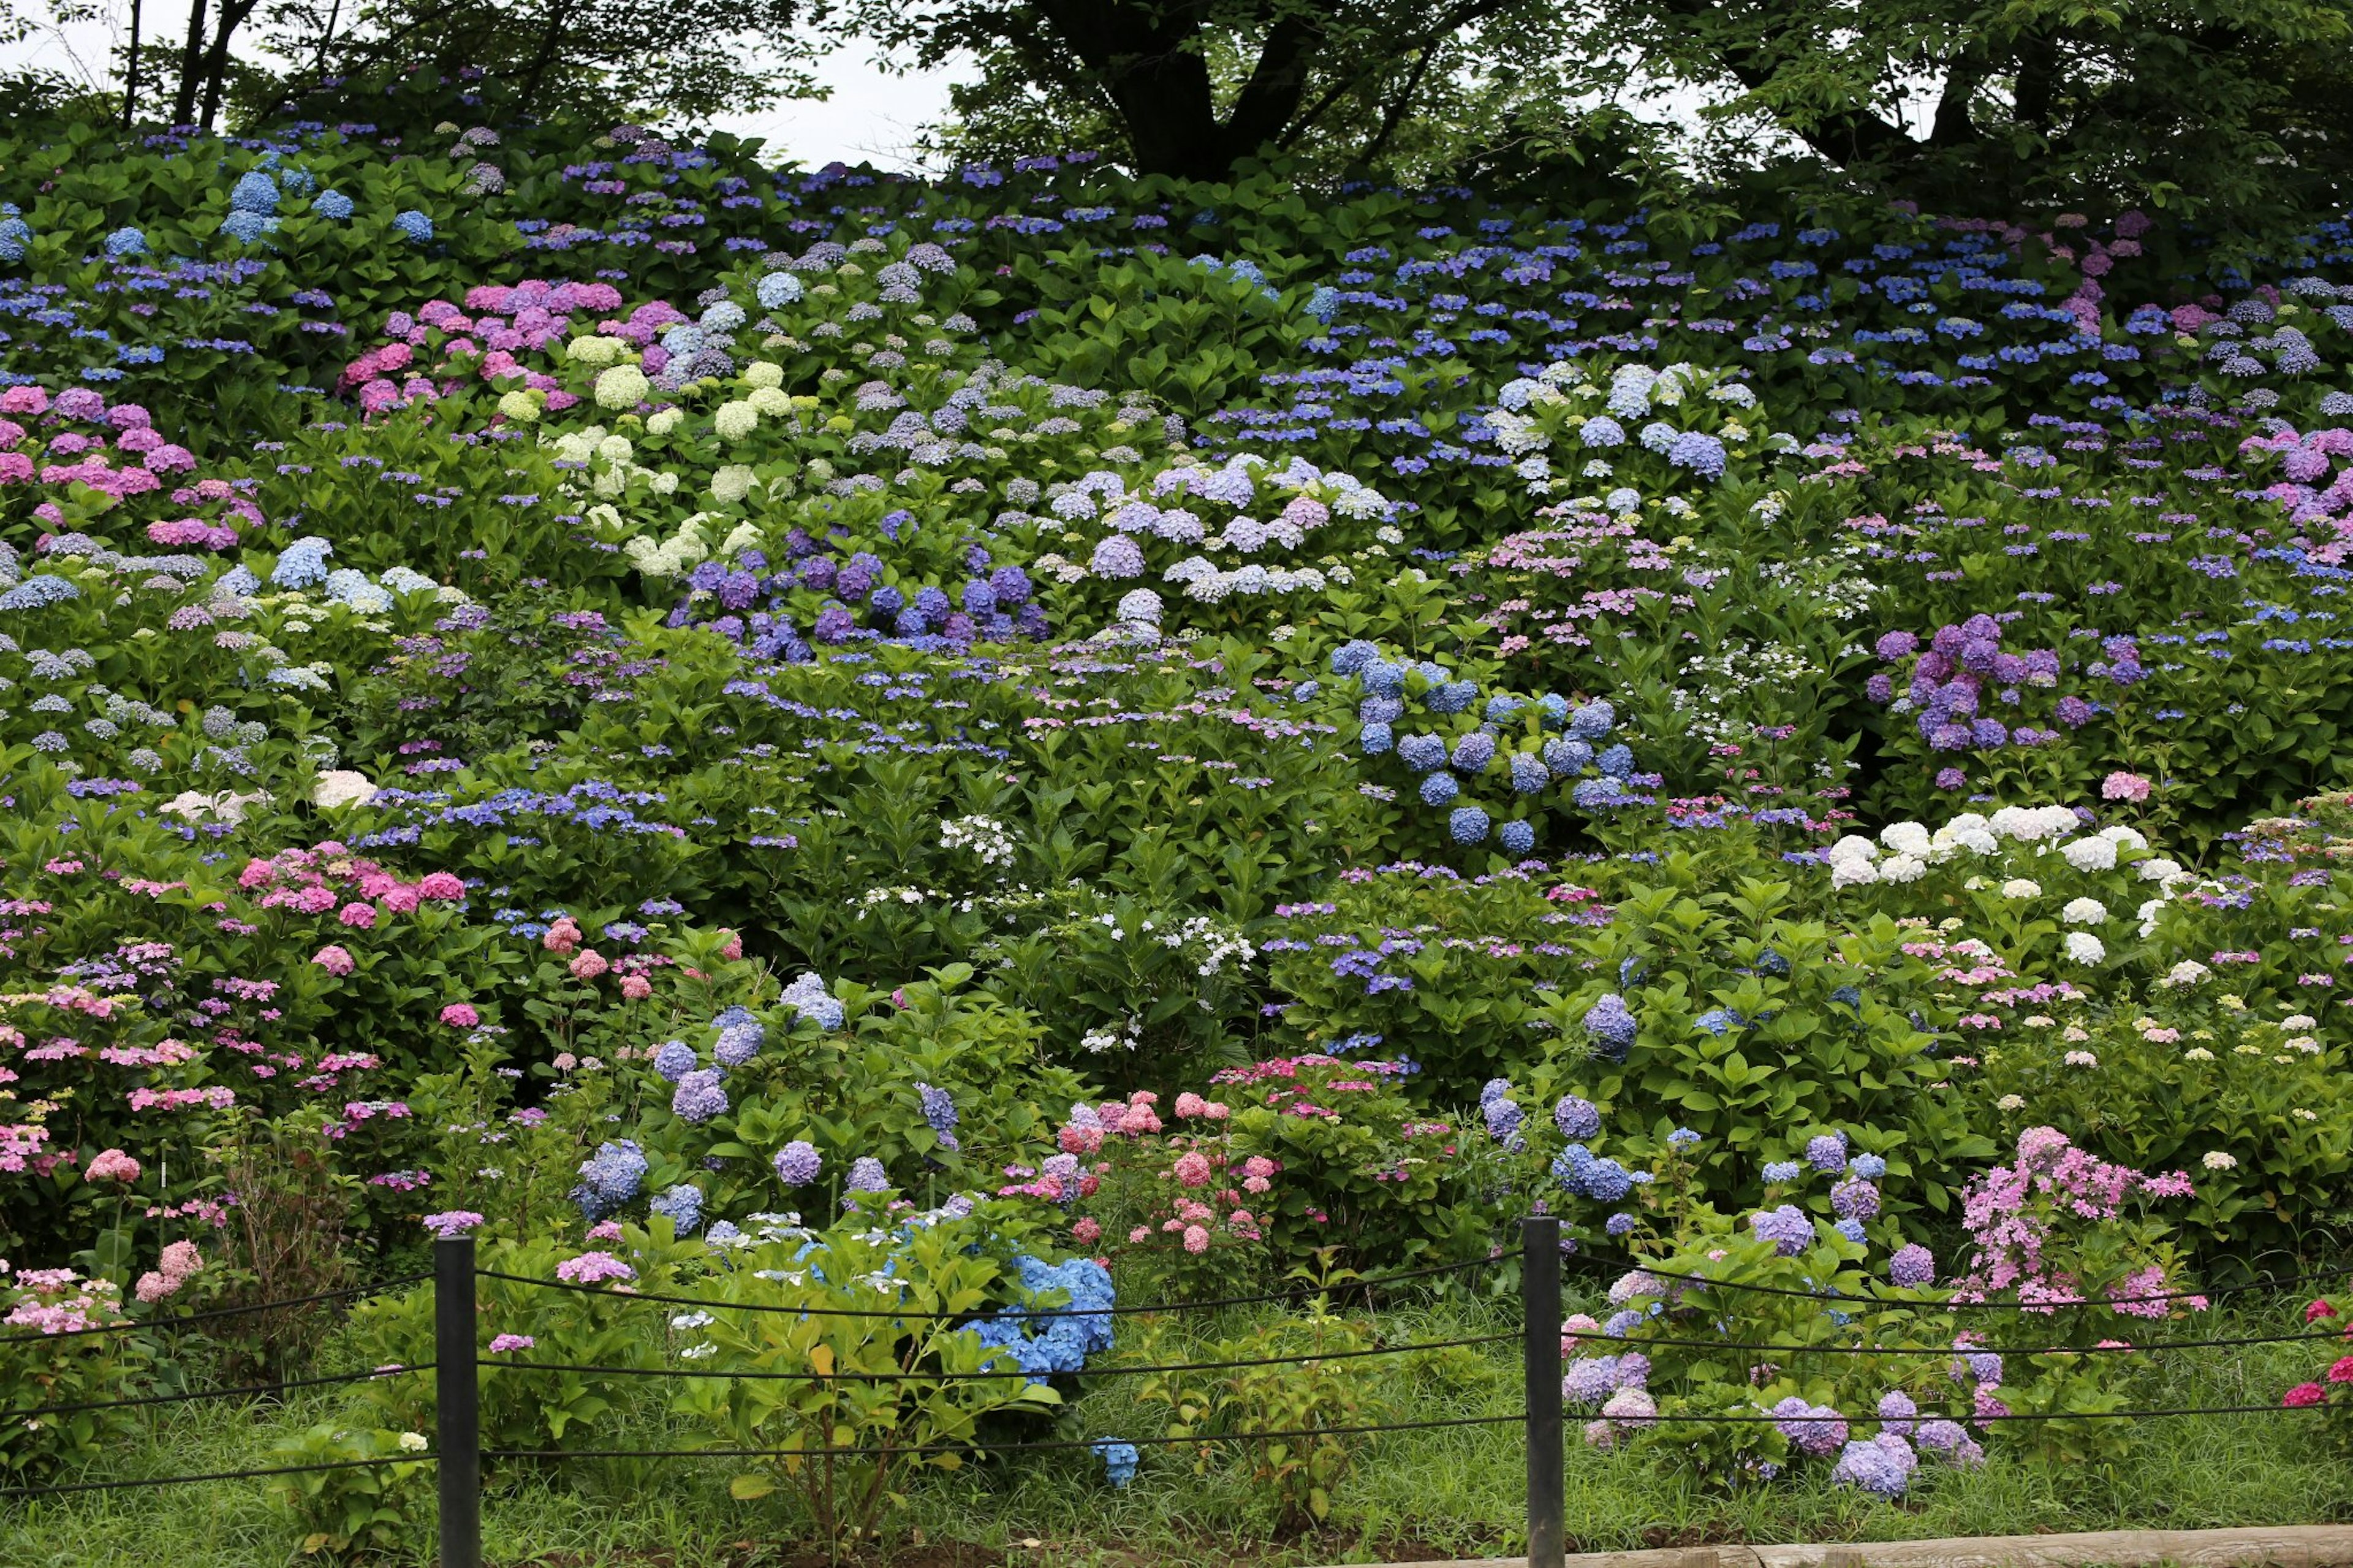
(1779, 1171)
(1616, 762)
(1382, 679)
(301, 564)
(1473, 751)
(682, 1207)
(673, 1059)
(1439, 788)
(1851, 1228)
(332, 206)
(1351, 658)
(1619, 1224)
(1602, 431)
(1501, 707)
(415, 224)
(1376, 739)
(255, 192)
(1528, 772)
(1422, 754)
(1720, 1020)
(1467, 824)
(1681, 1137)
(247, 227)
(1870, 1167)
(126, 242)
(609, 1178)
(1592, 721)
(1567, 759)
(939, 1113)
(16, 234)
(778, 290)
(866, 1175)
(1611, 1026)
(1518, 836)
(1450, 696)
(1120, 1459)
(1827, 1152)
(1881, 1465)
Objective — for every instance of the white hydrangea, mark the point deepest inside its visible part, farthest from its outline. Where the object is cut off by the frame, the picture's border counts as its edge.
(1906, 838)
(340, 787)
(2085, 912)
(2125, 837)
(2158, 869)
(2091, 854)
(520, 406)
(2086, 949)
(1853, 847)
(615, 450)
(764, 373)
(1141, 605)
(662, 421)
(596, 351)
(622, 386)
(732, 483)
(1902, 869)
(735, 420)
(2021, 888)
(1853, 871)
(769, 402)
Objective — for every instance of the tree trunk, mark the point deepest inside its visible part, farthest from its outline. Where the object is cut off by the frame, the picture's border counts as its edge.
(131, 71)
(183, 102)
(232, 15)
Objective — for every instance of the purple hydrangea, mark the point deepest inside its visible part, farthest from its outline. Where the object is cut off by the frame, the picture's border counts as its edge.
(1575, 1118)
(1827, 1152)
(1786, 1227)
(674, 1059)
(1854, 1199)
(939, 1114)
(866, 1175)
(1612, 1027)
(697, 1096)
(1589, 1381)
(1814, 1429)
(1946, 1440)
(797, 1163)
(1883, 1465)
(1912, 1266)
(1897, 1411)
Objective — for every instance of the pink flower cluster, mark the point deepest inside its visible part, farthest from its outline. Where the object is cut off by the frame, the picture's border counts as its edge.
(60, 1301)
(180, 1263)
(429, 350)
(2015, 1215)
(593, 1269)
(315, 882)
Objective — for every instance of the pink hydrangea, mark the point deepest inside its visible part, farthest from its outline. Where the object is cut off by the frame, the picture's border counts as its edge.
(441, 886)
(593, 1269)
(112, 1165)
(2124, 786)
(589, 964)
(460, 1015)
(562, 937)
(1086, 1231)
(1189, 1105)
(506, 1343)
(1194, 1170)
(637, 987)
(1197, 1240)
(335, 960)
(357, 915)
(452, 1224)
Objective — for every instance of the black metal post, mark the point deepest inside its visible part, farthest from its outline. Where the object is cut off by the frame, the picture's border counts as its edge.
(1540, 1345)
(457, 1402)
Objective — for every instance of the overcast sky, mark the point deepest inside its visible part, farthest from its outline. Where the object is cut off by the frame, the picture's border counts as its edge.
(871, 115)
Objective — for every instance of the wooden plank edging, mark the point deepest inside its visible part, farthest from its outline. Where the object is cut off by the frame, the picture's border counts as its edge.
(2283, 1546)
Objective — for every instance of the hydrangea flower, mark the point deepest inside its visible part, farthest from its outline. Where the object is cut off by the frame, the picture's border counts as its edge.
(1611, 1027)
(798, 1164)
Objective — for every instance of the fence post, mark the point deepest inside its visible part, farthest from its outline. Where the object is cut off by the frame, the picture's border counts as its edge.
(1540, 1346)
(457, 1402)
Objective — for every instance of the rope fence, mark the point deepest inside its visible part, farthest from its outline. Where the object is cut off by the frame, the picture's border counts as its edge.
(458, 1363)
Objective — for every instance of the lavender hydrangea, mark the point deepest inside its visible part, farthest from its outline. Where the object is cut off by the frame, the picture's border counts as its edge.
(681, 1206)
(1786, 1227)
(697, 1096)
(609, 1178)
(866, 1175)
(1827, 1152)
(1611, 1027)
(1577, 1119)
(1912, 1266)
(1883, 1465)
(939, 1114)
(798, 1164)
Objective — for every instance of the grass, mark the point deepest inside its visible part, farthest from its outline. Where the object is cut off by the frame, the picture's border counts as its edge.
(1423, 1494)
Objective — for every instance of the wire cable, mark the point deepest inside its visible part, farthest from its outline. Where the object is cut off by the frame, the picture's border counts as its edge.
(979, 1313)
(915, 1450)
(1973, 1349)
(214, 1476)
(1304, 1357)
(1640, 1267)
(217, 1312)
(214, 1393)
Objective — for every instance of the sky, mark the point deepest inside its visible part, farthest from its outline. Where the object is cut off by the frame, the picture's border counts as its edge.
(873, 114)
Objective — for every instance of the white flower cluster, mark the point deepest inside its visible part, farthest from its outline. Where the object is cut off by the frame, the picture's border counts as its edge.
(986, 838)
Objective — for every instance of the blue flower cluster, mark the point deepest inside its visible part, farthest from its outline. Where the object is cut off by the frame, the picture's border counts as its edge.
(1055, 1340)
(1538, 743)
(609, 1178)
